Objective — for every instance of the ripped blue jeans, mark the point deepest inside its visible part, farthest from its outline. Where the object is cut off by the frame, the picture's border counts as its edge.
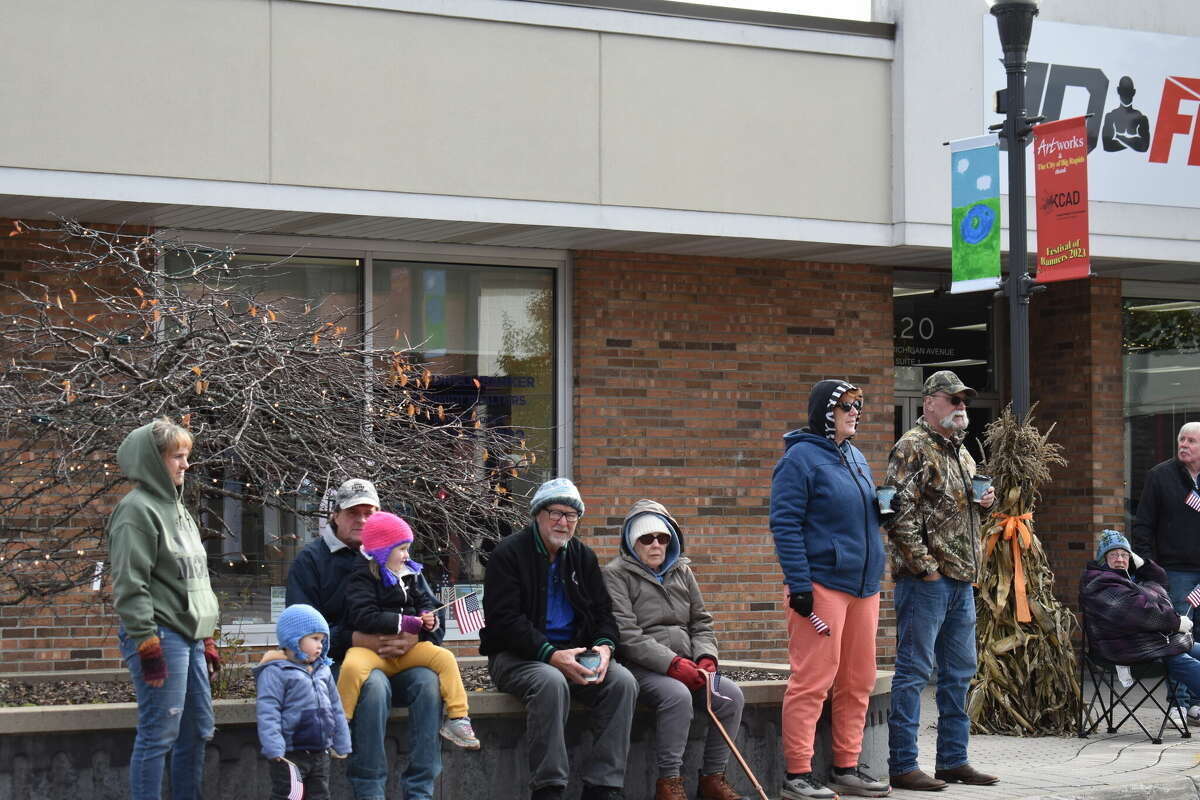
(176, 717)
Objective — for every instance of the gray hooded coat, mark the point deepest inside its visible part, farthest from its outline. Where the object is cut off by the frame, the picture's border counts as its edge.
(658, 620)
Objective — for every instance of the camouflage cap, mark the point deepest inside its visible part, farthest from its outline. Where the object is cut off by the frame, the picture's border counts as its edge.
(946, 381)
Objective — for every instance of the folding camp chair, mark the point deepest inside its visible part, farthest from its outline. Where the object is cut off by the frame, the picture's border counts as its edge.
(1110, 699)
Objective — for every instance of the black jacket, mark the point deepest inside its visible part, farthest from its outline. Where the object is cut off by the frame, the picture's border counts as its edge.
(514, 598)
(1165, 529)
(372, 607)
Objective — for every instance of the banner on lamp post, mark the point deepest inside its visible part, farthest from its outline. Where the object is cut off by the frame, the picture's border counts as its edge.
(1060, 151)
(975, 214)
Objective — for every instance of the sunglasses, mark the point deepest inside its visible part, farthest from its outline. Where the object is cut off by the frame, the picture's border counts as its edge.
(856, 405)
(648, 539)
(956, 400)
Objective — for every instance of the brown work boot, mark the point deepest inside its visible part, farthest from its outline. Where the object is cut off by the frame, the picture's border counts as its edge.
(966, 774)
(715, 787)
(669, 789)
(916, 781)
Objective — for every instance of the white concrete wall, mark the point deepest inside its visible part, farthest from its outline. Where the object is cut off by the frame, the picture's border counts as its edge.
(333, 95)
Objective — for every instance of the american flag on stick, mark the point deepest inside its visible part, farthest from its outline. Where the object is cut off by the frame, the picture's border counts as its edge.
(467, 613)
(1193, 597)
(821, 626)
(1193, 500)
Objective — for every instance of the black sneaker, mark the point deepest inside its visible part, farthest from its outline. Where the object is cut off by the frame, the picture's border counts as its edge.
(805, 786)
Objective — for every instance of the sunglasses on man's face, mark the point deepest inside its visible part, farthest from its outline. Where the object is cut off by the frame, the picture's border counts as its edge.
(958, 400)
(856, 405)
(648, 539)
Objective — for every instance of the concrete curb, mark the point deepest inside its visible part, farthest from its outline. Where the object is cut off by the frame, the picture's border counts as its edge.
(1180, 787)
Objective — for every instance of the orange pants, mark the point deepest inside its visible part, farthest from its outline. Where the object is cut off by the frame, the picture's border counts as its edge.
(843, 661)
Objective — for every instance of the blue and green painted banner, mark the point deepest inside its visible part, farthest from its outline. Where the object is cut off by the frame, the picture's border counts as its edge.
(975, 218)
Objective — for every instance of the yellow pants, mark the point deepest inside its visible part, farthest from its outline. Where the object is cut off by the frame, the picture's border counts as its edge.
(360, 661)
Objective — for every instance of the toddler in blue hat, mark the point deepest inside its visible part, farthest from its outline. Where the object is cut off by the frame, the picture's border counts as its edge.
(299, 711)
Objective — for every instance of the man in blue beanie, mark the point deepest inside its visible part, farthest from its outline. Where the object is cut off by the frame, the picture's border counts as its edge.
(545, 604)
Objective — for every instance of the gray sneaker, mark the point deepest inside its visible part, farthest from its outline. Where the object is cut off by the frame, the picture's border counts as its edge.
(805, 786)
(460, 732)
(857, 782)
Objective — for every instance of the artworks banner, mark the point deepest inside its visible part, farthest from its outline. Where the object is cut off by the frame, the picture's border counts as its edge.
(1142, 90)
(975, 214)
(1060, 161)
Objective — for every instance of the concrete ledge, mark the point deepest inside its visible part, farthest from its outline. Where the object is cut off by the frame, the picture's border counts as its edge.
(1183, 787)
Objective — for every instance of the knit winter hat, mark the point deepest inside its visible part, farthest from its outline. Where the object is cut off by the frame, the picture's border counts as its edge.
(646, 523)
(821, 401)
(381, 534)
(558, 490)
(298, 621)
(1111, 540)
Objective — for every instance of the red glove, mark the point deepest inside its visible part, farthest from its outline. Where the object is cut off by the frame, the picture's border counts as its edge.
(707, 663)
(213, 656)
(686, 672)
(154, 666)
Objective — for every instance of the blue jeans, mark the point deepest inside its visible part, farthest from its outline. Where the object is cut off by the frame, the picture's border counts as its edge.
(935, 621)
(176, 717)
(1185, 669)
(367, 767)
(1179, 583)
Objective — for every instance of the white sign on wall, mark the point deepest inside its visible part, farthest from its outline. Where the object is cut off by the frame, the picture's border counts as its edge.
(1143, 90)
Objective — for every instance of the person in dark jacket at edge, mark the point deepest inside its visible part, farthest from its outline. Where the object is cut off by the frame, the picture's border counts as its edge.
(545, 604)
(1167, 528)
(825, 523)
(317, 578)
(1128, 616)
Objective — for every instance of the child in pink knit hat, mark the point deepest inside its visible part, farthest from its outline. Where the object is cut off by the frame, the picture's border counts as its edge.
(383, 595)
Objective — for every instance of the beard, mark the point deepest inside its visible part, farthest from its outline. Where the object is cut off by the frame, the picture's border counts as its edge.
(955, 421)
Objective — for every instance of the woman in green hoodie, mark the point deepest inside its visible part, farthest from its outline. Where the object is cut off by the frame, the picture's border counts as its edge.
(168, 612)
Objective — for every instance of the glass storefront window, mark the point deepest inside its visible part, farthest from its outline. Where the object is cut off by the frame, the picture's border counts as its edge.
(1161, 346)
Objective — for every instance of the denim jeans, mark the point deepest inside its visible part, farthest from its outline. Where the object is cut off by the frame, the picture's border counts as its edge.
(367, 767)
(1185, 669)
(176, 717)
(1179, 583)
(935, 623)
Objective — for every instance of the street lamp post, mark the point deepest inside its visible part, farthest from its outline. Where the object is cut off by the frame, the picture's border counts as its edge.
(1014, 19)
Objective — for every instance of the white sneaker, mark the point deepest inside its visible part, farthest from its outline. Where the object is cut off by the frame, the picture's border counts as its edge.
(805, 786)
(857, 782)
(1193, 715)
(460, 732)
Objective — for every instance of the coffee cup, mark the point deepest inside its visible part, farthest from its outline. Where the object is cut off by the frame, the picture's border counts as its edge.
(590, 659)
(884, 496)
(979, 486)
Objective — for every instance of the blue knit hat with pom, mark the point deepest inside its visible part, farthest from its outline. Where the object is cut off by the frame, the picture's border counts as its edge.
(298, 621)
(1111, 540)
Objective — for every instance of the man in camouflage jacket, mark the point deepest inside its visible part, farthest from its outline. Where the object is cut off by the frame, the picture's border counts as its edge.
(935, 560)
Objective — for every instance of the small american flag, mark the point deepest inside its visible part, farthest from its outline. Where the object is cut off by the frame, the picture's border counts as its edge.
(820, 625)
(296, 783)
(467, 613)
(1193, 597)
(1193, 500)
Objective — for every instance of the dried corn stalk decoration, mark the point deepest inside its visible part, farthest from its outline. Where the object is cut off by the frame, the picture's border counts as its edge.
(1027, 681)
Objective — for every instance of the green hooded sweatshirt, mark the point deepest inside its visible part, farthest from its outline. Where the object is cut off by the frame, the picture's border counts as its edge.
(160, 567)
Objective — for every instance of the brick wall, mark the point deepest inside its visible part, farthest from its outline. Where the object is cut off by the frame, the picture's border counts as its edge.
(1076, 377)
(688, 371)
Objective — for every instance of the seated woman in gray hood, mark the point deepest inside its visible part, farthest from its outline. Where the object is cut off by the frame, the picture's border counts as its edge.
(667, 642)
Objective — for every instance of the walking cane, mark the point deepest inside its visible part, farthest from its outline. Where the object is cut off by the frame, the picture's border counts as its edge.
(709, 678)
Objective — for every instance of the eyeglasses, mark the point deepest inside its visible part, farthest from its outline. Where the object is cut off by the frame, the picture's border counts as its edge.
(856, 405)
(648, 539)
(556, 515)
(958, 400)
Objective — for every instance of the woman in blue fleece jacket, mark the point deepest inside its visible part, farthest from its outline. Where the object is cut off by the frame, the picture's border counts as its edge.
(825, 523)
(299, 712)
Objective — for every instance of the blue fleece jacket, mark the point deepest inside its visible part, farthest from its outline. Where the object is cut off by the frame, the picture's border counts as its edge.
(298, 709)
(824, 518)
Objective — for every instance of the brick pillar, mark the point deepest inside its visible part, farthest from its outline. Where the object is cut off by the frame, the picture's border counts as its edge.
(1076, 378)
(688, 371)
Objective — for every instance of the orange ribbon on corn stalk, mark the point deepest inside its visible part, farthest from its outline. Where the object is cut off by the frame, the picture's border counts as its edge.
(1016, 531)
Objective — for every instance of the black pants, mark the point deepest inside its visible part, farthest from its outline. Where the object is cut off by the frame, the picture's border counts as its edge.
(314, 771)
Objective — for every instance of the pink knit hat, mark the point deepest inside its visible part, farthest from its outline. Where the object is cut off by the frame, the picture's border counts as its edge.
(382, 532)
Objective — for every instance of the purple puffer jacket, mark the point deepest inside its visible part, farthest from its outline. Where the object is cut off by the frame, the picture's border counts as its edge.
(1130, 619)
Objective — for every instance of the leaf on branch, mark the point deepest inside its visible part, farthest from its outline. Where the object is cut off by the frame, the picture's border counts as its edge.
(58, 302)
(157, 315)
(412, 410)
(16, 231)
(139, 292)
(271, 315)
(196, 370)
(201, 387)
(476, 382)
(441, 413)
(74, 297)
(186, 420)
(316, 338)
(92, 317)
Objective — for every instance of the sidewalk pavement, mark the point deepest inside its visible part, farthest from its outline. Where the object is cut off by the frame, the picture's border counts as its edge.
(1102, 767)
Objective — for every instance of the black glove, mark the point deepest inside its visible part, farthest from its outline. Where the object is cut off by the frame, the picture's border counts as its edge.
(801, 603)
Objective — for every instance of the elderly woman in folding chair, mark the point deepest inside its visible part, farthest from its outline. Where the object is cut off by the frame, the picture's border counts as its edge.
(1128, 615)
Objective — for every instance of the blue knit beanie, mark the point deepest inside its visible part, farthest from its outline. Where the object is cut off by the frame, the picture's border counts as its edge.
(298, 621)
(558, 490)
(1111, 540)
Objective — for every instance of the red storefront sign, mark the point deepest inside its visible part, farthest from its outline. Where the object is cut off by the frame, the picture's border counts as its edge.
(1060, 175)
